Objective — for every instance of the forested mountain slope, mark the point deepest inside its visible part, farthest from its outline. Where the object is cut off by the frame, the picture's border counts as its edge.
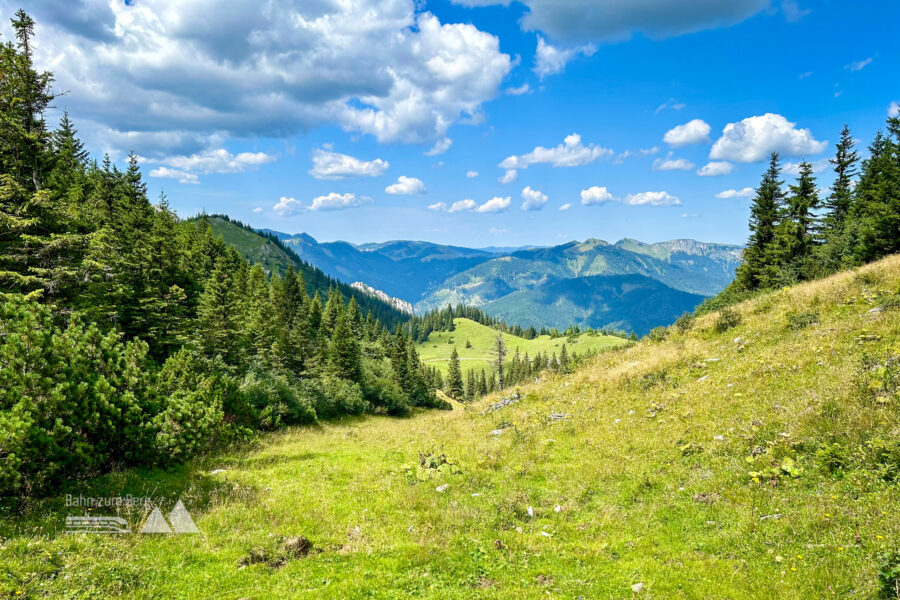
(266, 250)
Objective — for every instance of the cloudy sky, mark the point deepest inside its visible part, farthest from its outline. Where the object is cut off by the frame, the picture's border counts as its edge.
(475, 122)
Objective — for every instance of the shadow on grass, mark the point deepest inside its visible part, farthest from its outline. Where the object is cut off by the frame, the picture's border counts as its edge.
(132, 493)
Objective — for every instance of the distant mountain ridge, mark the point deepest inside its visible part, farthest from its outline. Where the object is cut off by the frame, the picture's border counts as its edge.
(630, 284)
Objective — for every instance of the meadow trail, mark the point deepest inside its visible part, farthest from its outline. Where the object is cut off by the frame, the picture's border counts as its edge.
(744, 452)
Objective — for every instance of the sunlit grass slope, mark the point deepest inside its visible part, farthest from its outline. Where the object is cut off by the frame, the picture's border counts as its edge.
(435, 351)
(756, 462)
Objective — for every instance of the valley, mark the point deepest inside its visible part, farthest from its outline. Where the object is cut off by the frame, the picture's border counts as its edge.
(629, 285)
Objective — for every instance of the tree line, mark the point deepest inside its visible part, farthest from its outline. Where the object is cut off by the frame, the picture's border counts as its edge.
(800, 232)
(131, 337)
(419, 327)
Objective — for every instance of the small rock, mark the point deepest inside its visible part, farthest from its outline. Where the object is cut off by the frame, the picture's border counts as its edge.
(719, 438)
(476, 494)
(704, 378)
(557, 508)
(876, 310)
(496, 432)
(519, 529)
(545, 534)
(616, 421)
(558, 416)
(217, 471)
(637, 588)
(530, 511)
(442, 488)
(630, 412)
(737, 340)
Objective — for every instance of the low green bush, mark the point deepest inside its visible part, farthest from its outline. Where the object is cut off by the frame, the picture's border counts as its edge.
(728, 319)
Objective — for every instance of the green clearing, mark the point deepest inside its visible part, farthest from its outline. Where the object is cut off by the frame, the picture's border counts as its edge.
(756, 462)
(435, 351)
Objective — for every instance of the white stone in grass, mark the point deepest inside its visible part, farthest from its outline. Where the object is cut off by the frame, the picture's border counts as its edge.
(476, 494)
(545, 534)
(530, 511)
(616, 421)
(557, 508)
(719, 438)
(442, 488)
(704, 378)
(216, 471)
(496, 432)
(519, 529)
(637, 588)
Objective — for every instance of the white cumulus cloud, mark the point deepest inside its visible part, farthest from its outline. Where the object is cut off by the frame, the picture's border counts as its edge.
(495, 204)
(534, 199)
(695, 131)
(519, 90)
(754, 138)
(670, 163)
(334, 165)
(187, 71)
(651, 199)
(596, 195)
(549, 59)
(287, 207)
(747, 192)
(440, 146)
(508, 176)
(793, 168)
(462, 205)
(565, 206)
(181, 176)
(571, 153)
(894, 109)
(438, 206)
(715, 168)
(406, 186)
(335, 201)
(471, 174)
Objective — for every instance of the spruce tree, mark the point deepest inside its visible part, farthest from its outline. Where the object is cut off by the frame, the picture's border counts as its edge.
(470, 385)
(343, 352)
(454, 377)
(758, 269)
(796, 228)
(219, 314)
(499, 354)
(839, 202)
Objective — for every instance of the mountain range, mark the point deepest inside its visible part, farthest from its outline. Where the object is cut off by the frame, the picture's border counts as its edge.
(627, 285)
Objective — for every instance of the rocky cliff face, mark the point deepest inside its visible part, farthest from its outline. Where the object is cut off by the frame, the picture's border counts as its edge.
(401, 305)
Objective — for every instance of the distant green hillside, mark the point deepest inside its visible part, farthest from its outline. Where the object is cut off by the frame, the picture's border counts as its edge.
(266, 249)
(627, 302)
(435, 351)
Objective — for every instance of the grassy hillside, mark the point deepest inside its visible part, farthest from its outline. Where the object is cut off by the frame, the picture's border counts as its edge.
(435, 351)
(624, 302)
(757, 461)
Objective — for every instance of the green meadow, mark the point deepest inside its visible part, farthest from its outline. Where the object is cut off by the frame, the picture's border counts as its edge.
(747, 454)
(435, 351)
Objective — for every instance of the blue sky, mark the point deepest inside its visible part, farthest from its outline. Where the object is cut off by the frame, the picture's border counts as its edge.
(303, 117)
